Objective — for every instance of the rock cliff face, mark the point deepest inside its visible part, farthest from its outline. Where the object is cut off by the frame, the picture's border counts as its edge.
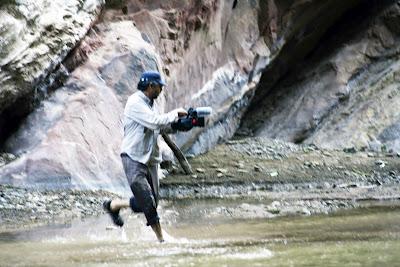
(216, 51)
(305, 71)
(72, 140)
(35, 37)
(346, 93)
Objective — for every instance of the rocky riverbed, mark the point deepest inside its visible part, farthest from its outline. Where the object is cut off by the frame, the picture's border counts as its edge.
(278, 165)
(272, 178)
(297, 179)
(21, 207)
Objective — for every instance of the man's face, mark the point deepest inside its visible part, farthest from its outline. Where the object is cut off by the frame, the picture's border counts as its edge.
(155, 90)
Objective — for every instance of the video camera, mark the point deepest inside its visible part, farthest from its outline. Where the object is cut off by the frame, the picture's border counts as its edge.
(195, 118)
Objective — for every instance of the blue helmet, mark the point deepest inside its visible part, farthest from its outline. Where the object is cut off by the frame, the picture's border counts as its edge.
(150, 77)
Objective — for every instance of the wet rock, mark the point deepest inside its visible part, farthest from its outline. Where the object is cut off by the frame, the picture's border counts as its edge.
(223, 171)
(327, 185)
(275, 203)
(380, 163)
(324, 185)
(274, 207)
(305, 211)
(239, 165)
(347, 185)
(273, 174)
(351, 149)
(200, 170)
(232, 142)
(257, 168)
(326, 153)
(311, 164)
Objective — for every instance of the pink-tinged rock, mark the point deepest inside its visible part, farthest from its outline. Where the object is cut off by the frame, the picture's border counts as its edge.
(73, 139)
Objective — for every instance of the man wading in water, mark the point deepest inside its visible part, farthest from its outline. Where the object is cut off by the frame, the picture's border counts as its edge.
(139, 151)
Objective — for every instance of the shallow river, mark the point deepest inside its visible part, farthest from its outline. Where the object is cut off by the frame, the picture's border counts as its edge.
(199, 234)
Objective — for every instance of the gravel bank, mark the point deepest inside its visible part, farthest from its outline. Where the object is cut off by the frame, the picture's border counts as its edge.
(283, 178)
(20, 207)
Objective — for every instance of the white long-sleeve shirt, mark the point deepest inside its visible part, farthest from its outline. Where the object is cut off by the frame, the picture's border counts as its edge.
(142, 125)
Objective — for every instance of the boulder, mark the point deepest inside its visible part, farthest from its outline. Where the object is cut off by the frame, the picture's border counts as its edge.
(73, 139)
(35, 37)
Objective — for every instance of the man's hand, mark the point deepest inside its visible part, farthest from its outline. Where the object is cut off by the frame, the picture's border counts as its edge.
(182, 125)
(181, 112)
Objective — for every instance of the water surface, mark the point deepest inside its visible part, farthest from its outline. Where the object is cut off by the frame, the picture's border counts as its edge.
(199, 234)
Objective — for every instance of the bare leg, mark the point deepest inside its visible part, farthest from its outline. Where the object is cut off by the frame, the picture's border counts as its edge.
(158, 231)
(117, 204)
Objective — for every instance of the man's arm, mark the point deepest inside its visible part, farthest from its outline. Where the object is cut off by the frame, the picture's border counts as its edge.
(147, 117)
